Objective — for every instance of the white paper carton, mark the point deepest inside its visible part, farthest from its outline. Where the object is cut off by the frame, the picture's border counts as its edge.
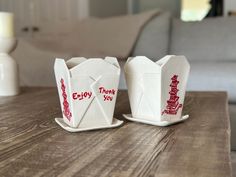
(87, 89)
(157, 89)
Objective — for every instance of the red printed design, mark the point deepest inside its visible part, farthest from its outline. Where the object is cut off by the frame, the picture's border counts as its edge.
(173, 104)
(107, 93)
(81, 95)
(66, 108)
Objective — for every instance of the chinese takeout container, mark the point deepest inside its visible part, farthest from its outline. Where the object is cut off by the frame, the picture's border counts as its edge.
(157, 89)
(87, 90)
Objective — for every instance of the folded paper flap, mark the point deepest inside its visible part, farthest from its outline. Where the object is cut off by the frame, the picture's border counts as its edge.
(60, 66)
(129, 59)
(59, 62)
(90, 67)
(74, 61)
(176, 61)
(113, 61)
(164, 60)
(94, 67)
(141, 64)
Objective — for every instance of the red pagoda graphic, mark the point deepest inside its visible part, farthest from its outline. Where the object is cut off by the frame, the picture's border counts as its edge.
(173, 104)
(66, 107)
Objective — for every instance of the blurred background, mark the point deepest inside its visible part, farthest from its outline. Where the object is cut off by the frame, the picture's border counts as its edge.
(31, 15)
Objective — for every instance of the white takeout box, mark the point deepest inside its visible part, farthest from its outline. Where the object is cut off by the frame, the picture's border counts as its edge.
(157, 89)
(87, 89)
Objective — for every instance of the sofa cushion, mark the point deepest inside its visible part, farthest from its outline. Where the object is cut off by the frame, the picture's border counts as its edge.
(154, 39)
(213, 76)
(210, 39)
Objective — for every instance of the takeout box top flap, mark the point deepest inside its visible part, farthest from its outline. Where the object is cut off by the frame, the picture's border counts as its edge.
(164, 60)
(91, 66)
(61, 67)
(113, 61)
(176, 61)
(74, 61)
(141, 65)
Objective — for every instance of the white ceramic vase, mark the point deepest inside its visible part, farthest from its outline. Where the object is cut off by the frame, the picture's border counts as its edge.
(9, 82)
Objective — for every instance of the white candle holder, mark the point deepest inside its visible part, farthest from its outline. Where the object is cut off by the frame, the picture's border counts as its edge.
(9, 83)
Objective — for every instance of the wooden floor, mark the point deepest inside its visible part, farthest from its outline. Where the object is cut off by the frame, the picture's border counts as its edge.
(32, 144)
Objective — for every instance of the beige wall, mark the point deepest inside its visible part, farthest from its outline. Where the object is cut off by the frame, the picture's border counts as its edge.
(229, 5)
(30, 13)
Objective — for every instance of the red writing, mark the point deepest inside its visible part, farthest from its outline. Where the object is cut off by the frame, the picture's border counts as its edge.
(66, 107)
(107, 93)
(82, 95)
(173, 104)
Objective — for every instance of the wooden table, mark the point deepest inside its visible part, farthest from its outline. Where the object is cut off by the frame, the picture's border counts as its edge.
(32, 144)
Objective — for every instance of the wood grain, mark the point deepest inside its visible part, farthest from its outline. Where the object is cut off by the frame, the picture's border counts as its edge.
(32, 144)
